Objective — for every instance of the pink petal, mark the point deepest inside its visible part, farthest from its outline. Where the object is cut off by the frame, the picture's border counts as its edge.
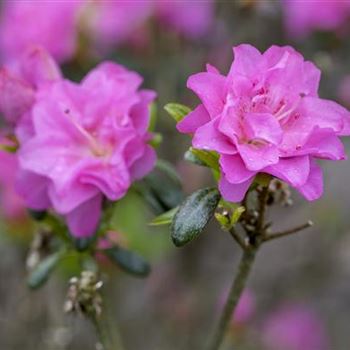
(193, 120)
(208, 137)
(38, 66)
(233, 192)
(210, 88)
(234, 169)
(83, 221)
(247, 60)
(312, 77)
(33, 189)
(16, 96)
(294, 170)
(144, 165)
(262, 126)
(313, 188)
(212, 69)
(257, 157)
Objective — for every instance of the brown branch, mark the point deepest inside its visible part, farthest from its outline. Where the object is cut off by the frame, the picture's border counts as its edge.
(238, 238)
(288, 232)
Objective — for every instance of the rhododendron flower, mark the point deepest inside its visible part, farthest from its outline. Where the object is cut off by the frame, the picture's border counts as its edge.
(294, 327)
(49, 24)
(192, 19)
(12, 205)
(303, 17)
(20, 82)
(111, 23)
(90, 141)
(265, 116)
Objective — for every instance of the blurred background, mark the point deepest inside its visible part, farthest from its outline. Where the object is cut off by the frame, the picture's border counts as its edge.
(298, 297)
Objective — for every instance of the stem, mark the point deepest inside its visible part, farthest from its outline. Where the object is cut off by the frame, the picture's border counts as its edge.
(288, 232)
(237, 288)
(109, 340)
(238, 238)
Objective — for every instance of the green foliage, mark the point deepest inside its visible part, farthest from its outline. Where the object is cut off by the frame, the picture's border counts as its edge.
(128, 261)
(164, 219)
(193, 215)
(177, 111)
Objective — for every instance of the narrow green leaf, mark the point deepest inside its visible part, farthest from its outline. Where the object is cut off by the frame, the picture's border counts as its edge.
(192, 158)
(164, 219)
(43, 270)
(153, 117)
(177, 111)
(206, 158)
(168, 169)
(193, 215)
(128, 261)
(236, 215)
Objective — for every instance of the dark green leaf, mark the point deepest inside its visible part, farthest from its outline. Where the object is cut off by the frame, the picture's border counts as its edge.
(164, 219)
(83, 244)
(168, 169)
(208, 158)
(43, 270)
(177, 111)
(37, 214)
(128, 261)
(193, 215)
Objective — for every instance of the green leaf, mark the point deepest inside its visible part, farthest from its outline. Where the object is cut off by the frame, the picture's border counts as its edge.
(37, 215)
(236, 215)
(43, 270)
(223, 220)
(128, 261)
(177, 111)
(192, 158)
(156, 140)
(164, 219)
(193, 215)
(209, 158)
(153, 117)
(168, 169)
(83, 244)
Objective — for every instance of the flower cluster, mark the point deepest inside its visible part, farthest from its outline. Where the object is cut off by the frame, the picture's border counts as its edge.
(79, 143)
(303, 17)
(59, 26)
(265, 116)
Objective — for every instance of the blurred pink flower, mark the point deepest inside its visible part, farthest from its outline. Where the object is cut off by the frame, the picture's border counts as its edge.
(294, 327)
(303, 17)
(192, 19)
(245, 309)
(90, 140)
(11, 205)
(51, 24)
(111, 23)
(20, 81)
(265, 116)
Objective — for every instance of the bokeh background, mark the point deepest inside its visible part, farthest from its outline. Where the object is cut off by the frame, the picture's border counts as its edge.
(298, 296)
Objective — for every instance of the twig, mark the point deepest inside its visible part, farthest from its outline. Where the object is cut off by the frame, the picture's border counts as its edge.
(238, 238)
(287, 232)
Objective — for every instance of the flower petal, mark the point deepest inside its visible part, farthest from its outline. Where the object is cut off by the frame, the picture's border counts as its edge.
(313, 188)
(234, 192)
(83, 221)
(208, 137)
(193, 120)
(234, 169)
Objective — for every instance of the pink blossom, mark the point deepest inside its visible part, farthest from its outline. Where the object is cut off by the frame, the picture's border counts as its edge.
(294, 327)
(303, 17)
(192, 19)
(11, 205)
(20, 81)
(89, 142)
(111, 23)
(265, 116)
(51, 24)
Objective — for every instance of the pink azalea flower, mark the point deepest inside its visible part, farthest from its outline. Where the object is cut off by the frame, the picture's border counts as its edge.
(20, 81)
(11, 205)
(265, 116)
(303, 17)
(111, 23)
(192, 19)
(46, 23)
(294, 327)
(90, 142)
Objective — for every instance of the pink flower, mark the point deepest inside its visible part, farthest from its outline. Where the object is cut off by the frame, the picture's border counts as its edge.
(50, 24)
(11, 205)
(90, 142)
(303, 17)
(294, 327)
(20, 81)
(111, 23)
(192, 19)
(265, 116)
